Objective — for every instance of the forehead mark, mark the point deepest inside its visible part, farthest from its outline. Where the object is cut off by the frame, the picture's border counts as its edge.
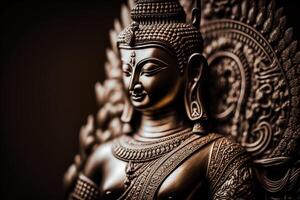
(132, 58)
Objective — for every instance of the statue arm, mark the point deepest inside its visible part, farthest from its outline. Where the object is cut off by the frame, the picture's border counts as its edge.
(239, 185)
(229, 172)
(89, 178)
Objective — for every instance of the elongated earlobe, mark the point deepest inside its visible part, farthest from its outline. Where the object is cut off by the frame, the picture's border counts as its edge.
(193, 105)
(127, 117)
(127, 112)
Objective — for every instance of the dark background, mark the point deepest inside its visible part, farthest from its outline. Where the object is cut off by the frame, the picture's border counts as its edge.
(51, 56)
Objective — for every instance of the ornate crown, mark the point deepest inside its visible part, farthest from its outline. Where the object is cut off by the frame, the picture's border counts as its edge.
(162, 22)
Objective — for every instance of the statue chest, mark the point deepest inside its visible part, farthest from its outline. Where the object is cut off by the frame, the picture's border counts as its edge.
(179, 174)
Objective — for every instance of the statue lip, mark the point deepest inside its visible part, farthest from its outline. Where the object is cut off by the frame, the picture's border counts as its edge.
(138, 97)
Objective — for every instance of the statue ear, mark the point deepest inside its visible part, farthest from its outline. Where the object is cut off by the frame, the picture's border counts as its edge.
(127, 116)
(192, 98)
(127, 111)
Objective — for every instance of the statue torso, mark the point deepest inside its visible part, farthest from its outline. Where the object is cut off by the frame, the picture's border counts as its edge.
(185, 180)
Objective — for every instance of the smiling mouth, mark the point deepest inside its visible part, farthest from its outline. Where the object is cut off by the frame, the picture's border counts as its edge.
(138, 97)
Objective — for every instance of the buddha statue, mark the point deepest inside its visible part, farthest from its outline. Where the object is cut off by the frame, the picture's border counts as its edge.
(169, 152)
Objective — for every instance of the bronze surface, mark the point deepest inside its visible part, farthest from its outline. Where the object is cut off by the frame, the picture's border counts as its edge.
(171, 99)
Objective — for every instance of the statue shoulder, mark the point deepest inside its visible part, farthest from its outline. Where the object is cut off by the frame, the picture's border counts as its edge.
(93, 166)
(229, 170)
(225, 149)
(225, 154)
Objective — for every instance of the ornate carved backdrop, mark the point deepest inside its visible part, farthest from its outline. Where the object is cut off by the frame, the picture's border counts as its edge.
(252, 85)
(253, 80)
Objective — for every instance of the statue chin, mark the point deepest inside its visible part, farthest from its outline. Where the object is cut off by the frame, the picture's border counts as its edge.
(140, 102)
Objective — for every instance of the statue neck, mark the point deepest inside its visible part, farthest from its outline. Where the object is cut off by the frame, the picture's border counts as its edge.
(162, 123)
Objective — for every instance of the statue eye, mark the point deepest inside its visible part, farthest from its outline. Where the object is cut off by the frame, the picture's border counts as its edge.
(150, 69)
(127, 70)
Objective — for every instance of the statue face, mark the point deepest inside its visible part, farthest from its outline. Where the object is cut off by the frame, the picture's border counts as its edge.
(151, 76)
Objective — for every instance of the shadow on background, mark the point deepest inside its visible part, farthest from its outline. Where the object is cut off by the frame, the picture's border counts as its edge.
(51, 56)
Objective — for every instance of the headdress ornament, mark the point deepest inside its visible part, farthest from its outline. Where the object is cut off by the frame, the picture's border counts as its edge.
(162, 22)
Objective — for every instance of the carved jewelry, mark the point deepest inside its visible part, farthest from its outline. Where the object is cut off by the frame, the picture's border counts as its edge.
(128, 149)
(85, 189)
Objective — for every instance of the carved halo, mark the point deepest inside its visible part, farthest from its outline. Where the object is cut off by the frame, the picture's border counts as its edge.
(253, 53)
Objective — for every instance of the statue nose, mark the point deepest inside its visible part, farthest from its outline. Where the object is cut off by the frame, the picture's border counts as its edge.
(138, 88)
